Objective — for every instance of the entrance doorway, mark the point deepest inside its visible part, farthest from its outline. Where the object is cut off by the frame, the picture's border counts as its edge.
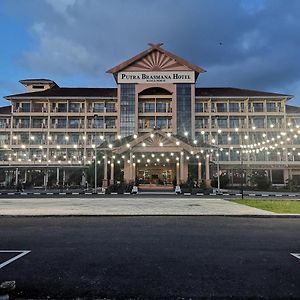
(156, 176)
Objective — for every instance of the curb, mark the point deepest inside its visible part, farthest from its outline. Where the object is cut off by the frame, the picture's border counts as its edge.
(283, 216)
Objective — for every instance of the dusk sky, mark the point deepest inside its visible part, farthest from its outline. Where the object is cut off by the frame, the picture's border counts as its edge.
(253, 44)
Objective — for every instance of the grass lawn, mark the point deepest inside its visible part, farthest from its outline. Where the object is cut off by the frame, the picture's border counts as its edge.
(277, 206)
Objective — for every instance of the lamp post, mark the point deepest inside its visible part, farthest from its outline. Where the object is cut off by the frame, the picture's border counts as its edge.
(95, 171)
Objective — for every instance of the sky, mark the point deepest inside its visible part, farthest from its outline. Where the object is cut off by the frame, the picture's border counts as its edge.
(252, 44)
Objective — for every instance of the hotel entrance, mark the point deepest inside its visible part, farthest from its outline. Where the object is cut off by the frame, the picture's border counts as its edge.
(156, 175)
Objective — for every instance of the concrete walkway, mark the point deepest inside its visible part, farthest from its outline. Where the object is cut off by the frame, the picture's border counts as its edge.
(123, 206)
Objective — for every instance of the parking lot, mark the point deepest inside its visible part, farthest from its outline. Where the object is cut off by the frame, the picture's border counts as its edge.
(151, 257)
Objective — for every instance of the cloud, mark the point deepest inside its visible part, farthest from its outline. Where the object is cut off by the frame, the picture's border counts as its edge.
(251, 44)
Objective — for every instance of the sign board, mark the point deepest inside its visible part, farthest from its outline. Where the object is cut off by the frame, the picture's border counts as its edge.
(157, 77)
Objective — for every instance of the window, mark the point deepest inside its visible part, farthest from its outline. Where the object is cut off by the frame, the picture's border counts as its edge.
(161, 122)
(222, 122)
(61, 123)
(199, 107)
(37, 123)
(234, 122)
(149, 107)
(161, 107)
(26, 107)
(221, 107)
(99, 107)
(98, 123)
(110, 122)
(127, 109)
(2, 123)
(74, 123)
(74, 107)
(38, 107)
(149, 123)
(62, 107)
(38, 86)
(233, 107)
(258, 107)
(184, 108)
(74, 138)
(110, 107)
(259, 122)
(271, 107)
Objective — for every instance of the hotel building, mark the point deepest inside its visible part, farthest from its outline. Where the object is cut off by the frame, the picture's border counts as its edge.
(155, 126)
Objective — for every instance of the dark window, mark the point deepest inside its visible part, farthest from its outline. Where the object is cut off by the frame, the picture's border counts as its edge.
(184, 113)
(127, 109)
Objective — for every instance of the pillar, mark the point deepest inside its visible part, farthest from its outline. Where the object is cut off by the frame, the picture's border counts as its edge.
(83, 179)
(131, 166)
(17, 176)
(207, 175)
(199, 172)
(57, 176)
(126, 171)
(105, 181)
(45, 178)
(133, 171)
(25, 176)
(177, 174)
(112, 171)
(181, 168)
(64, 177)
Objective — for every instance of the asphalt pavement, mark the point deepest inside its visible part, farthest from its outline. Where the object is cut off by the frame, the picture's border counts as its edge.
(151, 257)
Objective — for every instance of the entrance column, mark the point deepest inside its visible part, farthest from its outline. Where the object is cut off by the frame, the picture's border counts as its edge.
(104, 181)
(207, 175)
(131, 167)
(112, 171)
(134, 172)
(57, 176)
(199, 172)
(181, 168)
(45, 179)
(177, 174)
(17, 176)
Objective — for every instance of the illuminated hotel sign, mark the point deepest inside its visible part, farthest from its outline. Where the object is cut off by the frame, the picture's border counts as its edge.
(150, 77)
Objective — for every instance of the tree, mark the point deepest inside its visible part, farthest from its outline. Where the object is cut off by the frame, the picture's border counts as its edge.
(260, 180)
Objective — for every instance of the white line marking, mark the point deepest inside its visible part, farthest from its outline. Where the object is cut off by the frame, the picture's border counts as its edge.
(22, 253)
(49, 193)
(62, 193)
(297, 255)
(10, 193)
(292, 195)
(88, 193)
(278, 195)
(36, 193)
(265, 195)
(75, 193)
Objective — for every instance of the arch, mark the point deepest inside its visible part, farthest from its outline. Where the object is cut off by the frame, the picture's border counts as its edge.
(155, 91)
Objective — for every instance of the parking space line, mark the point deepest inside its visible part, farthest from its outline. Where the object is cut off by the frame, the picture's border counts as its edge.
(22, 253)
(297, 255)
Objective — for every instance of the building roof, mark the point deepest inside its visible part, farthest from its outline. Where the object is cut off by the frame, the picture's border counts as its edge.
(38, 80)
(112, 92)
(234, 92)
(154, 47)
(292, 109)
(68, 92)
(5, 110)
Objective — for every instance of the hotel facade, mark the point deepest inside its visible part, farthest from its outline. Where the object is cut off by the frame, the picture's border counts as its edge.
(155, 126)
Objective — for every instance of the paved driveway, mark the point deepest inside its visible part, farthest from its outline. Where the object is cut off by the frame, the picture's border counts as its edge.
(124, 206)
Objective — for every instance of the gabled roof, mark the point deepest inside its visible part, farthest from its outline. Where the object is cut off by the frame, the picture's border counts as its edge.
(39, 80)
(68, 92)
(153, 135)
(154, 47)
(234, 92)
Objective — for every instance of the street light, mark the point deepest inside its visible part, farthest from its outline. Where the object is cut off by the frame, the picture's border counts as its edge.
(95, 171)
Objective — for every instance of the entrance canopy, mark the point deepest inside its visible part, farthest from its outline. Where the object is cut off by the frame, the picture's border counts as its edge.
(158, 141)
